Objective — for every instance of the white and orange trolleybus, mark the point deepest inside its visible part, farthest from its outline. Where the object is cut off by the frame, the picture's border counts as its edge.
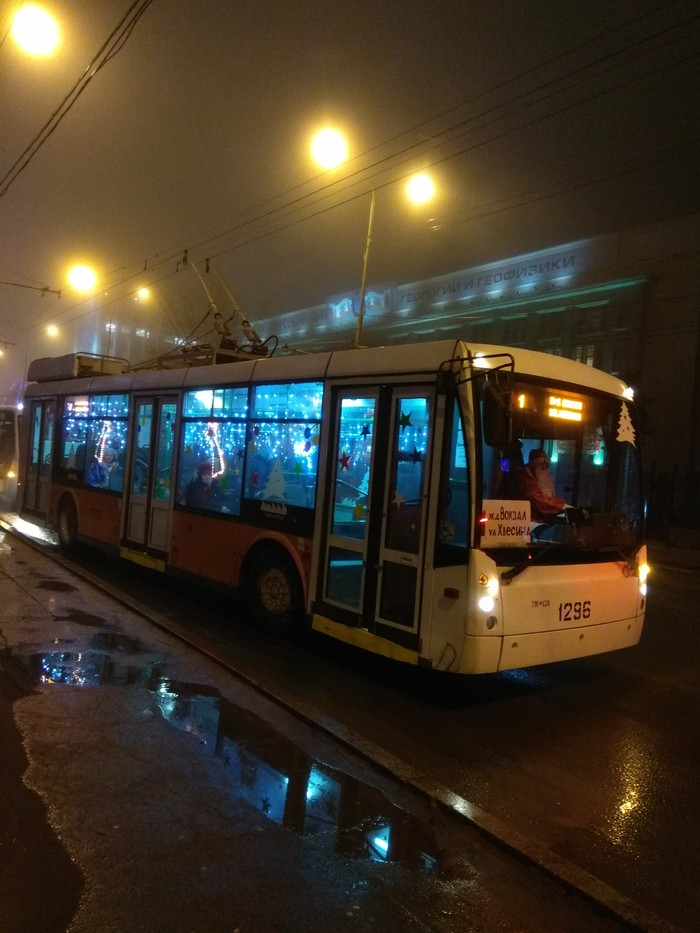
(9, 455)
(372, 494)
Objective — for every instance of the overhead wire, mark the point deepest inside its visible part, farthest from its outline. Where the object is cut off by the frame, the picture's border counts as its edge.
(109, 48)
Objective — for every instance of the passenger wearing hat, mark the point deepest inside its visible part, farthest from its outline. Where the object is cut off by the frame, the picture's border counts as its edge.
(202, 492)
(538, 486)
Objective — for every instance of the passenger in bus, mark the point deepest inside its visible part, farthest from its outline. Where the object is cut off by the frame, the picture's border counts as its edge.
(100, 470)
(203, 491)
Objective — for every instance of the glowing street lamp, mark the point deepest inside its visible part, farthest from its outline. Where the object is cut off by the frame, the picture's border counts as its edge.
(82, 278)
(328, 148)
(34, 30)
(420, 188)
(52, 330)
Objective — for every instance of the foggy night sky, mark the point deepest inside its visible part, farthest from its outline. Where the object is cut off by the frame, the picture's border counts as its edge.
(542, 122)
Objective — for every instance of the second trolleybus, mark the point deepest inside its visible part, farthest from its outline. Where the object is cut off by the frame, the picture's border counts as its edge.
(374, 495)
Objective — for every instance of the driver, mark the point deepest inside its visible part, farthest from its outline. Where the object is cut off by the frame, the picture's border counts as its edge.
(537, 485)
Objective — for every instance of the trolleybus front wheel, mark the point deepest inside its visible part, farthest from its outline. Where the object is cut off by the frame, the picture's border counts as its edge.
(274, 593)
(67, 524)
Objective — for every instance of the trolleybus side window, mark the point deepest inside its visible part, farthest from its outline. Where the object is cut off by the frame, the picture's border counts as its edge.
(73, 442)
(282, 444)
(93, 440)
(454, 523)
(212, 449)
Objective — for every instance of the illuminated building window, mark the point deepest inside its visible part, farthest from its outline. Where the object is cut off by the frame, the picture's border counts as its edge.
(585, 355)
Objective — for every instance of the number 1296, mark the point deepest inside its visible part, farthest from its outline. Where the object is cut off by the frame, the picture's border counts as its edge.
(575, 612)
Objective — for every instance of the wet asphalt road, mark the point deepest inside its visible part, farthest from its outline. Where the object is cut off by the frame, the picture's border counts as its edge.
(507, 901)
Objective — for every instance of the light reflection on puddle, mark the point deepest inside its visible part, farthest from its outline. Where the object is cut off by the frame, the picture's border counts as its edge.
(274, 774)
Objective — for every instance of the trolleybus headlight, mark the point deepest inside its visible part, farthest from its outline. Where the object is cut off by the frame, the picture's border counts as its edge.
(644, 571)
(487, 602)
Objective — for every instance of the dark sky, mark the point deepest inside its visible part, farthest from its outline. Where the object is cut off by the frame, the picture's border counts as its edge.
(542, 123)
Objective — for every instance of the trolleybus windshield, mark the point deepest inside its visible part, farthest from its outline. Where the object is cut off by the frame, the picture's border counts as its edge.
(568, 473)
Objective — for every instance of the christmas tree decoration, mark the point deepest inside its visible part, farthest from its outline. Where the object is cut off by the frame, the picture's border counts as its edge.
(274, 488)
(625, 428)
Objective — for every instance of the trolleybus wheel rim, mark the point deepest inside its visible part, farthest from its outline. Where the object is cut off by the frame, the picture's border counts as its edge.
(274, 593)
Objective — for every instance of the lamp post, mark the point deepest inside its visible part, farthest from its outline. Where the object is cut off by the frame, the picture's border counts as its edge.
(420, 190)
(329, 150)
(365, 260)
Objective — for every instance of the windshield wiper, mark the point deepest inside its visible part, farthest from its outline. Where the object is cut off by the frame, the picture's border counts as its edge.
(508, 575)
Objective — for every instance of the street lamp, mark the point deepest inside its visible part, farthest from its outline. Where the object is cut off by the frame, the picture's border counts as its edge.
(328, 148)
(34, 30)
(82, 278)
(420, 188)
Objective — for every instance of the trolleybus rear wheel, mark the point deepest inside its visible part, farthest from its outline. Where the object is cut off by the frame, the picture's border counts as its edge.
(274, 593)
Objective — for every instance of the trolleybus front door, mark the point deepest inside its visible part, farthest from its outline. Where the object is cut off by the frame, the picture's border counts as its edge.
(375, 541)
(149, 493)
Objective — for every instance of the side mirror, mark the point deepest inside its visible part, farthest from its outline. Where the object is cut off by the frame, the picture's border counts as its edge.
(496, 416)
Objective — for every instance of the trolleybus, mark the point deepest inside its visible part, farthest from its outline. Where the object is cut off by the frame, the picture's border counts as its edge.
(9, 456)
(372, 494)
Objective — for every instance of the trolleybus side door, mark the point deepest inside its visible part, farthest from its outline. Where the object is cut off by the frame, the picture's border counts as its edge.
(149, 493)
(374, 546)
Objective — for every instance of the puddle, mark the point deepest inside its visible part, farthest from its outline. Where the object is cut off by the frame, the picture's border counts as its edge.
(86, 669)
(274, 774)
(58, 586)
(82, 618)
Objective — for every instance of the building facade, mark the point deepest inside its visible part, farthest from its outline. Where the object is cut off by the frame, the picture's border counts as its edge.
(627, 303)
